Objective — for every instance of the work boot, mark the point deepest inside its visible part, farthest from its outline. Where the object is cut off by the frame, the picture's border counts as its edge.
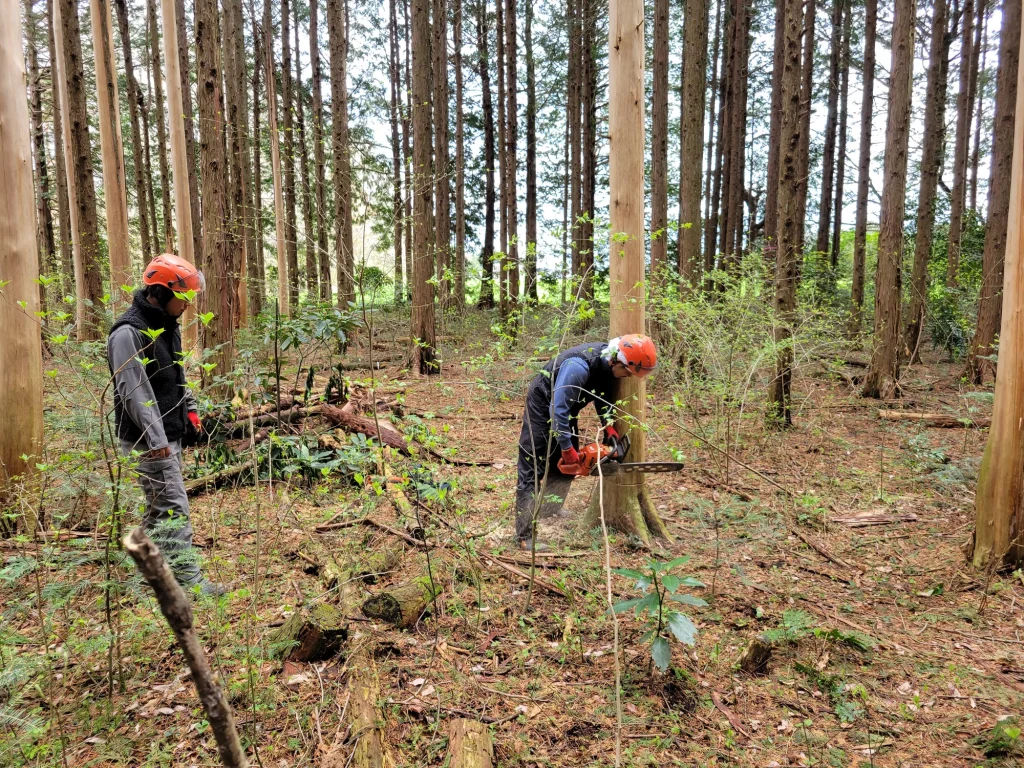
(527, 545)
(206, 588)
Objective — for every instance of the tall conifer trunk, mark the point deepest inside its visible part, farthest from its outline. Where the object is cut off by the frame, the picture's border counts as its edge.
(530, 291)
(828, 158)
(44, 216)
(958, 194)
(309, 220)
(161, 130)
(844, 92)
(396, 147)
(486, 299)
(459, 254)
(322, 257)
(695, 47)
(67, 265)
(442, 180)
(860, 236)
(337, 29)
(659, 143)
(190, 132)
(511, 160)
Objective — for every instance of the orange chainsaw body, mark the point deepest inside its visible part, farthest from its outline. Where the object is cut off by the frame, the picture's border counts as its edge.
(590, 454)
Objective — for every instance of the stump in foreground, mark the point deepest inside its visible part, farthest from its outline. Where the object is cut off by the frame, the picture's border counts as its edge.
(469, 744)
(312, 634)
(402, 604)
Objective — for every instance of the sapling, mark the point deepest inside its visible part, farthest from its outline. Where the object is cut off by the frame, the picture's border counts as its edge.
(659, 586)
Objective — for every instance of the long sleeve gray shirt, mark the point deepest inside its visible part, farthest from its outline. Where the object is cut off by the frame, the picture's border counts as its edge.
(124, 350)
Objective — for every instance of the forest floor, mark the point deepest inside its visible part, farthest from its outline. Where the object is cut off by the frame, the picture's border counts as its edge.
(851, 527)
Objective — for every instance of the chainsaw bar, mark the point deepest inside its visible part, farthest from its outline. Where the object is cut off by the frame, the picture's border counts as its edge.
(637, 467)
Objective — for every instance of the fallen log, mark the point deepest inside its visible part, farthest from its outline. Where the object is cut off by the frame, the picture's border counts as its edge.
(402, 604)
(352, 423)
(938, 420)
(240, 428)
(207, 482)
(364, 719)
(311, 634)
(377, 563)
(469, 744)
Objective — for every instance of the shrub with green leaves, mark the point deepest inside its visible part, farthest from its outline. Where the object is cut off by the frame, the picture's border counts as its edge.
(660, 587)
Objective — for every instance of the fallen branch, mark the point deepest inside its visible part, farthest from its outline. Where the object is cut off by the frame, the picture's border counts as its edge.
(537, 579)
(938, 420)
(177, 610)
(214, 479)
(821, 549)
(733, 720)
(865, 519)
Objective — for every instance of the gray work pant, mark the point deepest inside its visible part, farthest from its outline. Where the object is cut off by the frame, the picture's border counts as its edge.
(538, 457)
(166, 515)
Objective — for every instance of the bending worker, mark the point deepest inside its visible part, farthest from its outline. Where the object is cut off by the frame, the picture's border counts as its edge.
(549, 443)
(154, 408)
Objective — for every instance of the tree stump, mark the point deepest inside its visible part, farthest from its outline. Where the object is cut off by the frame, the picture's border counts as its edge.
(402, 604)
(755, 658)
(312, 634)
(469, 744)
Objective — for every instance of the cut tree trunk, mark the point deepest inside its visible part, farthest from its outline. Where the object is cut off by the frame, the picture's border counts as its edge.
(882, 378)
(353, 423)
(469, 744)
(404, 603)
(990, 304)
(788, 256)
(860, 236)
(998, 541)
(311, 634)
(931, 168)
(620, 501)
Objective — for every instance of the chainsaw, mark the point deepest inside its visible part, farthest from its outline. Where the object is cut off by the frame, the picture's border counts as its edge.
(597, 459)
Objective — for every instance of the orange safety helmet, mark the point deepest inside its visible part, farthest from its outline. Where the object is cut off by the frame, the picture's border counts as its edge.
(637, 352)
(175, 273)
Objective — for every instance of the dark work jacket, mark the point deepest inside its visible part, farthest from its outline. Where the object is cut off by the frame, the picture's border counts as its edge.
(598, 389)
(164, 370)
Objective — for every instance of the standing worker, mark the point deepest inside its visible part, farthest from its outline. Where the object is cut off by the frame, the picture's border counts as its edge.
(154, 408)
(549, 455)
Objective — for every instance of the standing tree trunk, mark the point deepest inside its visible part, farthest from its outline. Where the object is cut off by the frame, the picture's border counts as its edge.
(882, 379)
(222, 261)
(323, 258)
(134, 104)
(659, 142)
(146, 145)
(47, 247)
(21, 360)
(257, 264)
(184, 89)
(725, 134)
(828, 158)
(622, 501)
(958, 194)
(695, 54)
(787, 237)
(181, 161)
(499, 14)
(67, 263)
(738, 127)
(511, 137)
(424, 353)
(459, 256)
(115, 194)
(806, 104)
(161, 131)
(979, 360)
(309, 222)
(710, 209)
(337, 30)
(771, 207)
(78, 167)
(486, 299)
(280, 225)
(588, 149)
(288, 124)
(977, 64)
(530, 291)
(931, 168)
(844, 91)
(442, 182)
(860, 236)
(999, 526)
(396, 147)
(240, 229)
(979, 108)
(406, 150)
(574, 77)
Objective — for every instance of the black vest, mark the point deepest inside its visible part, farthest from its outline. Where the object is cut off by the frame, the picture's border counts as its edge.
(600, 384)
(166, 374)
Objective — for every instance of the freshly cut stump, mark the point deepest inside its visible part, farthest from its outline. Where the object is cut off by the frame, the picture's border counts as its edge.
(469, 744)
(402, 604)
(755, 658)
(313, 634)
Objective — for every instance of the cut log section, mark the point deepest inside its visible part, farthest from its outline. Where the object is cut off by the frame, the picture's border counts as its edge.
(364, 718)
(313, 634)
(469, 744)
(352, 423)
(938, 420)
(402, 604)
(374, 565)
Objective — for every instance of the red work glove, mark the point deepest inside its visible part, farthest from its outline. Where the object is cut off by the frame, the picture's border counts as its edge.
(193, 417)
(569, 464)
(611, 436)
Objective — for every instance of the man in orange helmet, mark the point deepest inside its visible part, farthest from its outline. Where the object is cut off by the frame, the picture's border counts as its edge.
(549, 444)
(154, 409)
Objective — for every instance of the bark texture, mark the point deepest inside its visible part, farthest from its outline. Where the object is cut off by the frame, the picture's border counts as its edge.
(860, 235)
(695, 46)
